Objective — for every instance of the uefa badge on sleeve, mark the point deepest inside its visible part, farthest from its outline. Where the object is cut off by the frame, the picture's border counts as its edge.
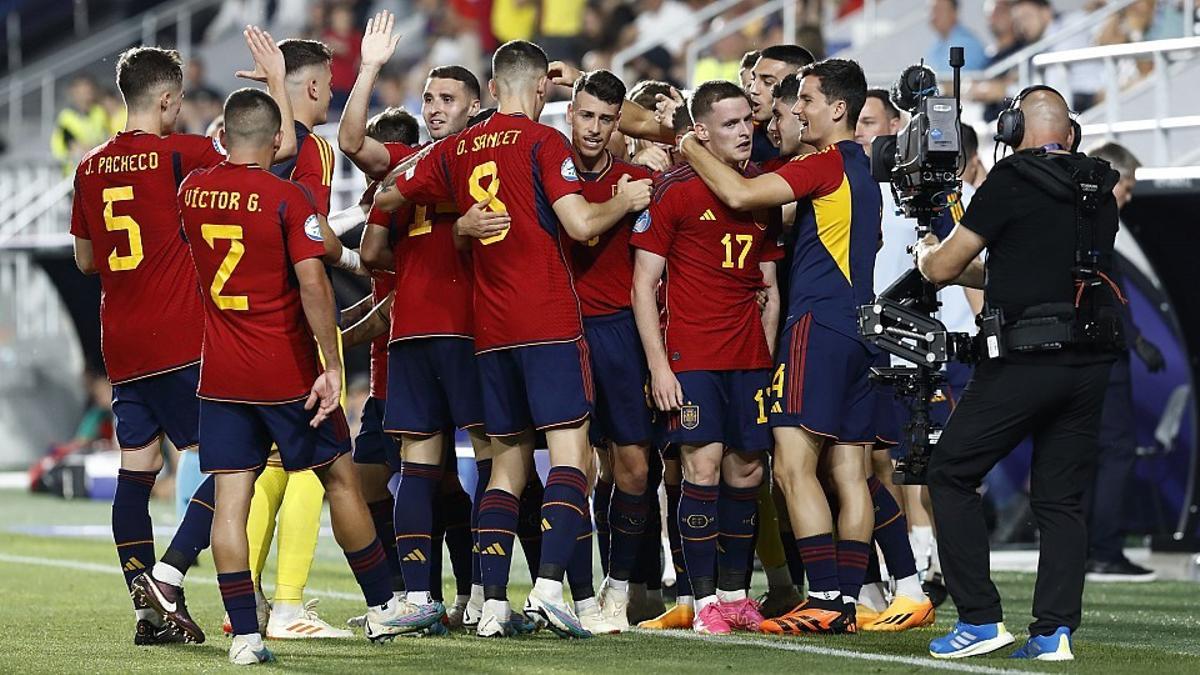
(312, 228)
(689, 417)
(643, 222)
(567, 170)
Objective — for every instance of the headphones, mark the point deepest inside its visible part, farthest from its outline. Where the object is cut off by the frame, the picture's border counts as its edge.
(1010, 125)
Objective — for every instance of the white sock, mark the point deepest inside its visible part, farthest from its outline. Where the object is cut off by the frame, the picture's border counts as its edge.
(388, 606)
(476, 595)
(167, 574)
(549, 589)
(873, 596)
(849, 599)
(253, 639)
(497, 608)
(921, 539)
(910, 587)
(935, 563)
(686, 600)
(461, 600)
(147, 614)
(285, 611)
(585, 604)
(707, 600)
(731, 596)
(619, 585)
(418, 598)
(825, 595)
(778, 577)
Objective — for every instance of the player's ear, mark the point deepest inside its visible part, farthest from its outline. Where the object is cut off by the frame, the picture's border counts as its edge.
(701, 130)
(314, 90)
(541, 86)
(492, 89)
(474, 109)
(839, 111)
(221, 139)
(276, 141)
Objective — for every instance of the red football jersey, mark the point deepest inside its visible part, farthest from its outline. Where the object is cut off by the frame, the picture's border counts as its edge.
(603, 266)
(247, 229)
(150, 315)
(524, 293)
(713, 253)
(382, 283)
(312, 167)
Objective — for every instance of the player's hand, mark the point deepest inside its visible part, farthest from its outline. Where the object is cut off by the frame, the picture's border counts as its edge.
(268, 60)
(326, 395)
(686, 140)
(479, 223)
(665, 107)
(378, 42)
(563, 73)
(652, 157)
(665, 389)
(760, 296)
(1150, 354)
(636, 193)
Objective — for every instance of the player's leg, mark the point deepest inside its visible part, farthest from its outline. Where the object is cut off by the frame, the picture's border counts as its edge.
(628, 522)
(683, 613)
(529, 522)
(420, 479)
(298, 525)
(580, 572)
(483, 447)
(781, 594)
(377, 459)
(698, 530)
(269, 489)
(499, 512)
(454, 508)
(649, 573)
(602, 496)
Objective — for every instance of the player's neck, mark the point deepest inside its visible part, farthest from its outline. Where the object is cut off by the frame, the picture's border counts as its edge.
(837, 136)
(260, 156)
(147, 122)
(518, 105)
(593, 164)
(735, 163)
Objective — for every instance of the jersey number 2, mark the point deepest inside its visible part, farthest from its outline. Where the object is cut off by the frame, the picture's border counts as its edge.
(114, 223)
(489, 193)
(237, 249)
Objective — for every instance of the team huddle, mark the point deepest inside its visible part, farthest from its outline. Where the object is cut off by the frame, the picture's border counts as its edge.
(667, 298)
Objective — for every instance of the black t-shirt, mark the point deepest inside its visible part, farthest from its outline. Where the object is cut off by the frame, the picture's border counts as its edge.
(1031, 247)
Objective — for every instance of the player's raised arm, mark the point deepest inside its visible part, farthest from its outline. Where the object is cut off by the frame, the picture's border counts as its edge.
(378, 45)
(269, 68)
(375, 249)
(731, 187)
(647, 273)
(316, 297)
(375, 323)
(583, 219)
(390, 195)
(636, 121)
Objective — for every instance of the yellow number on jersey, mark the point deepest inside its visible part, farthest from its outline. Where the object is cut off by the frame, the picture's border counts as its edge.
(112, 223)
(233, 233)
(746, 240)
(776, 387)
(480, 193)
(761, 399)
(421, 223)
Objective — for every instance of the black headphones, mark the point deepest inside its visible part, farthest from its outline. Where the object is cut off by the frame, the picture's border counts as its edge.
(1010, 125)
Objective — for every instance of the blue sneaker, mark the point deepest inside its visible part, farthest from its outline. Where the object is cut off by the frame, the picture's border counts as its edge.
(967, 639)
(555, 615)
(1053, 647)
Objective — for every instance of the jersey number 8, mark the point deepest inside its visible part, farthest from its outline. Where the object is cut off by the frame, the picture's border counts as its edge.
(480, 193)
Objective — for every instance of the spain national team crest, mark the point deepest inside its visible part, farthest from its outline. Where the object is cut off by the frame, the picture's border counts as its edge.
(689, 417)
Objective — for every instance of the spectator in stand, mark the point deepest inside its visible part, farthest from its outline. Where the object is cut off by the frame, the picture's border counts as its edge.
(345, 41)
(561, 28)
(724, 62)
(943, 17)
(80, 126)
(1033, 21)
(195, 80)
(746, 68)
(514, 19)
(657, 18)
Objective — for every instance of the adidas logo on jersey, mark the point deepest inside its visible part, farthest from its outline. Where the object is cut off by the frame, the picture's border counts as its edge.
(415, 555)
(546, 525)
(494, 549)
(134, 564)
(776, 409)
(707, 215)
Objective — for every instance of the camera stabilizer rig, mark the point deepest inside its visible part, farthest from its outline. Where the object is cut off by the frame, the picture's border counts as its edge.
(922, 163)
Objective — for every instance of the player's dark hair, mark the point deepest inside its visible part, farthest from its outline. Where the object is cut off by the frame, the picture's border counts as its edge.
(142, 71)
(970, 141)
(841, 80)
(481, 116)
(749, 59)
(394, 125)
(460, 74)
(787, 90)
(251, 117)
(682, 121)
(519, 57)
(603, 85)
(299, 54)
(644, 92)
(710, 93)
(889, 108)
(793, 55)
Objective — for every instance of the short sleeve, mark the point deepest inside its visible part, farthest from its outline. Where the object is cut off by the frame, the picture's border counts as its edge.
(204, 153)
(314, 170)
(992, 206)
(397, 152)
(303, 227)
(78, 222)
(814, 175)
(557, 167)
(426, 182)
(654, 229)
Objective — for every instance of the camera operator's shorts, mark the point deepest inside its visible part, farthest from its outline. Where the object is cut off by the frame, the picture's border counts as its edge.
(723, 406)
(825, 383)
(238, 436)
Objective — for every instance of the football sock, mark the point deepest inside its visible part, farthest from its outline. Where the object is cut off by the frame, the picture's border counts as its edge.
(872, 595)
(920, 538)
(437, 546)
(736, 508)
(778, 577)
(579, 570)
(529, 527)
(264, 506)
(628, 525)
(584, 604)
(563, 509)
(602, 501)
(133, 532)
(731, 596)
(382, 516)
(414, 522)
(698, 530)
(769, 544)
(237, 594)
(891, 533)
(483, 470)
(852, 566)
(191, 537)
(371, 572)
(455, 509)
(498, 512)
(650, 553)
(820, 564)
(299, 525)
(683, 583)
(873, 573)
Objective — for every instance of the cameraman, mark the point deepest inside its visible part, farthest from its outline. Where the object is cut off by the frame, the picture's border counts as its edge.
(1032, 234)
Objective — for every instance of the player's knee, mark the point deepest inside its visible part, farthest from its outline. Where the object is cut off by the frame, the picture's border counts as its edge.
(142, 459)
(631, 476)
(702, 472)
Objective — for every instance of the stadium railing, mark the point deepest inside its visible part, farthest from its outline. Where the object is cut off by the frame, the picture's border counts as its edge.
(786, 8)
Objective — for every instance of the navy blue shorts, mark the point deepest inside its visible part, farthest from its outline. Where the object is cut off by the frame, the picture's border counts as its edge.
(824, 383)
(723, 406)
(160, 404)
(538, 386)
(887, 425)
(373, 445)
(433, 385)
(238, 436)
(619, 367)
(957, 375)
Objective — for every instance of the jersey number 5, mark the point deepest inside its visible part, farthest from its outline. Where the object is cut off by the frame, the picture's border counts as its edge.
(237, 249)
(745, 240)
(480, 193)
(113, 223)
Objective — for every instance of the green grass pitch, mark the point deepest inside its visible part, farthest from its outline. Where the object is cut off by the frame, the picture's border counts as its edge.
(63, 609)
